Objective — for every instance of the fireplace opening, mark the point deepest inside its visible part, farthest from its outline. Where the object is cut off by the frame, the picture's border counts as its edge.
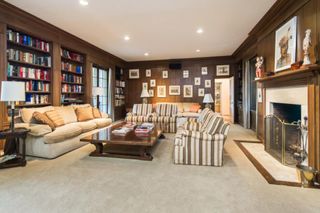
(288, 113)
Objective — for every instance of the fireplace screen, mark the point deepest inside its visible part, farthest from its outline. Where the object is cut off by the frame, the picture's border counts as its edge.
(282, 139)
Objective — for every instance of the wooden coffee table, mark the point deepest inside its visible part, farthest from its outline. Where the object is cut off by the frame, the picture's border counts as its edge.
(130, 146)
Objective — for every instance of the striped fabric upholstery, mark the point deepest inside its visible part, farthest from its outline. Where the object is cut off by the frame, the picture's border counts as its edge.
(193, 126)
(202, 115)
(207, 119)
(192, 119)
(138, 118)
(142, 109)
(166, 117)
(213, 125)
(166, 109)
(224, 129)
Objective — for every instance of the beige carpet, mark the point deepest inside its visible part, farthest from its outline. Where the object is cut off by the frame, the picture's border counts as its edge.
(78, 183)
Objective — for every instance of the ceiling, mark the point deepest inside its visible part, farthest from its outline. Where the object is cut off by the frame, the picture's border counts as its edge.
(166, 29)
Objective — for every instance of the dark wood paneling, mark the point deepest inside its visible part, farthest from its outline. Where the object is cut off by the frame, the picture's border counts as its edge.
(175, 77)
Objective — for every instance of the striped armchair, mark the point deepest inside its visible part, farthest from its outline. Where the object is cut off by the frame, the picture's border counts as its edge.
(140, 113)
(166, 117)
(203, 146)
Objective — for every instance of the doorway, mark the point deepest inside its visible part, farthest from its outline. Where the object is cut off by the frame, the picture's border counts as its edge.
(224, 95)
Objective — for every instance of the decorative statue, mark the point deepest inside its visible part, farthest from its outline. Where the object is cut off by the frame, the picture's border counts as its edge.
(306, 46)
(259, 67)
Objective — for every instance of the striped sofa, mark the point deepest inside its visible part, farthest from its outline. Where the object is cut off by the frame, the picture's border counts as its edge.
(140, 113)
(201, 142)
(166, 117)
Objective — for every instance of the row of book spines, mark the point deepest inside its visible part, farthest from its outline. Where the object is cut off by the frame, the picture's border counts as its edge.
(119, 102)
(28, 57)
(71, 67)
(27, 40)
(71, 78)
(71, 55)
(37, 99)
(24, 72)
(120, 83)
(72, 88)
(35, 86)
(119, 91)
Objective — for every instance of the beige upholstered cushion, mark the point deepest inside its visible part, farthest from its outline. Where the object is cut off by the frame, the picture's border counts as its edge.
(55, 117)
(36, 130)
(188, 114)
(42, 118)
(76, 106)
(27, 113)
(87, 126)
(84, 113)
(62, 133)
(102, 122)
(96, 112)
(67, 113)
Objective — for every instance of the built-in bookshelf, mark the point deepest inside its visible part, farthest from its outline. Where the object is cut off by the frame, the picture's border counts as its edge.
(239, 95)
(29, 60)
(119, 88)
(72, 77)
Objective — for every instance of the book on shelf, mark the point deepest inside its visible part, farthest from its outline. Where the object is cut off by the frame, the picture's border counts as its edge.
(36, 99)
(25, 72)
(71, 55)
(71, 67)
(120, 83)
(27, 57)
(33, 86)
(71, 88)
(71, 78)
(26, 40)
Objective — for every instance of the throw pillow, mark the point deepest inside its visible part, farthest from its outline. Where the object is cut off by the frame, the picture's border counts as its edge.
(194, 108)
(55, 117)
(96, 112)
(84, 113)
(43, 119)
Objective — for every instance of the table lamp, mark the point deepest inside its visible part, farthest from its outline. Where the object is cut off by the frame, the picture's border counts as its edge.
(208, 100)
(12, 91)
(97, 91)
(144, 95)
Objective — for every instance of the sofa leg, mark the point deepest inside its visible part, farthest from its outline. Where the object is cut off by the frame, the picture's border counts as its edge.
(162, 136)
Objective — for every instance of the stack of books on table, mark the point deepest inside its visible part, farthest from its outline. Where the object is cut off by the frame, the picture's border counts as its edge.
(121, 131)
(144, 129)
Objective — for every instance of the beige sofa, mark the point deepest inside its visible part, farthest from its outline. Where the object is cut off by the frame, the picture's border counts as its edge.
(43, 142)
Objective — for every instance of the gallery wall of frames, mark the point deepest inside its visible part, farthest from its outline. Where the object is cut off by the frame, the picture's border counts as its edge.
(188, 84)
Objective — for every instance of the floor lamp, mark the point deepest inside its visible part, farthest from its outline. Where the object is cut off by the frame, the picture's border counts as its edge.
(12, 91)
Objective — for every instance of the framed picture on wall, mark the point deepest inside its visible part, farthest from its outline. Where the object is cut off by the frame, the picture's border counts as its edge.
(133, 73)
(174, 90)
(285, 45)
(152, 82)
(185, 73)
(151, 94)
(197, 81)
(165, 74)
(223, 70)
(207, 83)
(145, 86)
(204, 70)
(161, 92)
(201, 92)
(148, 73)
(187, 91)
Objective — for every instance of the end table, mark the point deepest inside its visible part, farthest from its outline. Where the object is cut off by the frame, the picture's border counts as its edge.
(13, 139)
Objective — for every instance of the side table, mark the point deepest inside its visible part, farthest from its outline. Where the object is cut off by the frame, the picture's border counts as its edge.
(13, 139)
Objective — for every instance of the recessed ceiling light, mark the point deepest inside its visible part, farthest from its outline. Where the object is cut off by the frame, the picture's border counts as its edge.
(198, 51)
(83, 2)
(200, 31)
(127, 38)
(146, 54)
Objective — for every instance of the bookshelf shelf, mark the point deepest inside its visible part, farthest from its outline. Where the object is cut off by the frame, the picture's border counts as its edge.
(71, 60)
(12, 43)
(37, 92)
(26, 79)
(28, 64)
(73, 73)
(66, 82)
(32, 105)
(78, 93)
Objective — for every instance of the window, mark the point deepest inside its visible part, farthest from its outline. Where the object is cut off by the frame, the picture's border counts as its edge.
(100, 80)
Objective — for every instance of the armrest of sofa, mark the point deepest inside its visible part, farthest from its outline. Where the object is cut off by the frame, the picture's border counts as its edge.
(104, 115)
(36, 130)
(192, 126)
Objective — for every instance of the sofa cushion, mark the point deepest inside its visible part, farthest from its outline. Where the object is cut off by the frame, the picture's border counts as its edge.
(76, 106)
(87, 126)
(96, 112)
(166, 110)
(142, 109)
(67, 113)
(43, 119)
(194, 108)
(36, 130)
(55, 117)
(62, 133)
(84, 113)
(102, 122)
(27, 113)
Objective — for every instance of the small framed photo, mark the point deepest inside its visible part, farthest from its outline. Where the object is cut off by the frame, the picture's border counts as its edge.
(223, 70)
(174, 90)
(148, 73)
(145, 86)
(161, 91)
(204, 70)
(207, 83)
(165, 74)
(151, 94)
(197, 81)
(201, 92)
(153, 83)
(133, 73)
(185, 73)
(187, 91)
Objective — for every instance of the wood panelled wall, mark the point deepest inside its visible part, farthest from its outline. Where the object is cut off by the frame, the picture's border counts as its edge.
(175, 77)
(261, 40)
(21, 20)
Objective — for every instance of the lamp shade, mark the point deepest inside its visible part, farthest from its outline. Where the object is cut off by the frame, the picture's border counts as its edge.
(13, 91)
(207, 98)
(144, 94)
(97, 91)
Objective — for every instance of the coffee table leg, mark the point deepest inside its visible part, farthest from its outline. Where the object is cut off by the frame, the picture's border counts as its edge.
(99, 148)
(145, 154)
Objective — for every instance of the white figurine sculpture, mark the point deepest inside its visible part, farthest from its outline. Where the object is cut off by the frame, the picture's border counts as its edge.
(306, 46)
